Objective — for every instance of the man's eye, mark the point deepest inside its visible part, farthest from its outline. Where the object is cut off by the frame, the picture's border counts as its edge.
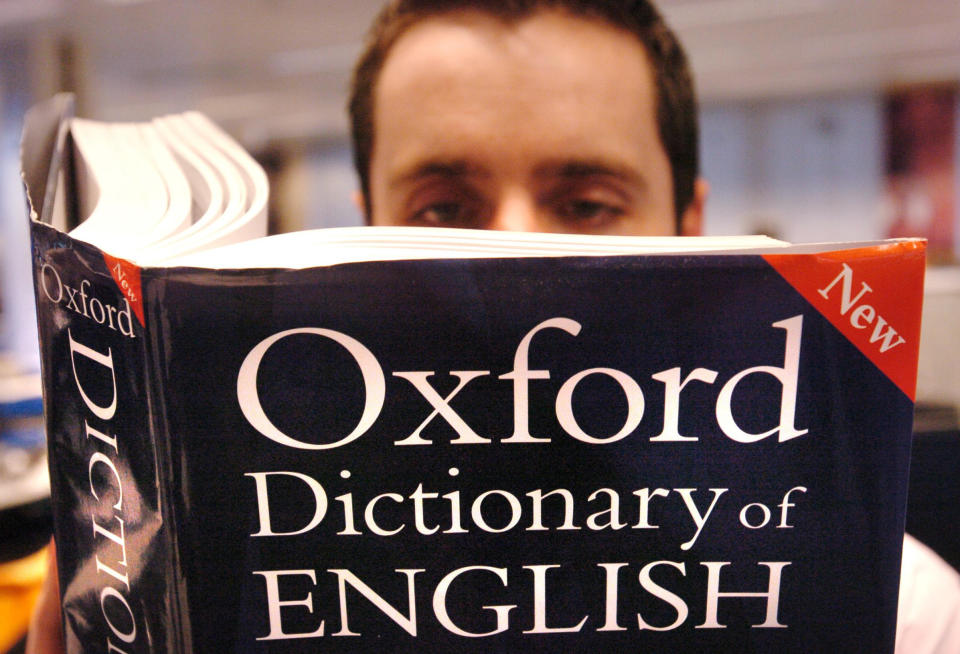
(588, 211)
(444, 214)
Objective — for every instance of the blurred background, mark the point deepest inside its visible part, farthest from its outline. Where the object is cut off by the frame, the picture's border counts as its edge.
(821, 120)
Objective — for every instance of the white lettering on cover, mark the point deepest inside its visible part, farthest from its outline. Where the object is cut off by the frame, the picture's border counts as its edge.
(418, 496)
(788, 376)
(764, 513)
(99, 435)
(698, 519)
(371, 522)
(263, 502)
(421, 507)
(537, 520)
(569, 422)
(77, 299)
(119, 540)
(611, 596)
(516, 511)
(521, 374)
(103, 459)
(772, 594)
(865, 314)
(661, 593)
(612, 512)
(540, 604)
(539, 596)
(671, 404)
(408, 623)
(501, 611)
(274, 603)
(374, 387)
(645, 495)
(121, 276)
(441, 406)
(111, 592)
(785, 507)
(106, 360)
(105, 489)
(373, 382)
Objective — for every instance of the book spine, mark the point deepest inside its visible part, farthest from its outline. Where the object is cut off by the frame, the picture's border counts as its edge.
(113, 549)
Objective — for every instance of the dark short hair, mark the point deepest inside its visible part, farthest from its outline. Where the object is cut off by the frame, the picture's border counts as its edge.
(676, 105)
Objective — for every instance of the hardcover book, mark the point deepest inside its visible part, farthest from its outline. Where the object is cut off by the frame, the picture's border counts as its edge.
(411, 440)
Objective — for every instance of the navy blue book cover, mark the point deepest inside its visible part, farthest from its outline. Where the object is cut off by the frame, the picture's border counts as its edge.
(674, 453)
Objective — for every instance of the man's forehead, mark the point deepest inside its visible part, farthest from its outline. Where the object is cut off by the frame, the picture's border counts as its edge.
(577, 88)
(447, 40)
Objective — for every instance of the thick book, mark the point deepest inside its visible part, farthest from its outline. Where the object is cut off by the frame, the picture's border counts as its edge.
(441, 440)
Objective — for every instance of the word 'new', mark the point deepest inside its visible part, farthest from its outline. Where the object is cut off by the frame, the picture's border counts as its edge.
(864, 314)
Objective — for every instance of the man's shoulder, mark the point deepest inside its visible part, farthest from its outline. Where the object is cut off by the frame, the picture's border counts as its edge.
(928, 618)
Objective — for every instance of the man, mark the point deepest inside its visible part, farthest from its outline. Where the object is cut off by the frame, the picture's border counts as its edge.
(545, 115)
(527, 116)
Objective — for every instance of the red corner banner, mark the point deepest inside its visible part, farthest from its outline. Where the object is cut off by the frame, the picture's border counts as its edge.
(873, 295)
(127, 277)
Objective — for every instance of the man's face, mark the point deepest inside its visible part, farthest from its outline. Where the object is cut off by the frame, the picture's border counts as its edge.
(545, 125)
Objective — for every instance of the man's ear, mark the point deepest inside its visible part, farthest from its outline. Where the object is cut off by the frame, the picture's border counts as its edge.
(691, 222)
(361, 205)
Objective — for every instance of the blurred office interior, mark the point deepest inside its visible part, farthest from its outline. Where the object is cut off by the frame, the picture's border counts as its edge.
(821, 120)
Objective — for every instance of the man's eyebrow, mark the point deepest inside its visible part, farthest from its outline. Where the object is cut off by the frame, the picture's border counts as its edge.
(573, 169)
(456, 168)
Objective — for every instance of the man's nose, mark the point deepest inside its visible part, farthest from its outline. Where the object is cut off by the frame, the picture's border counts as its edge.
(516, 212)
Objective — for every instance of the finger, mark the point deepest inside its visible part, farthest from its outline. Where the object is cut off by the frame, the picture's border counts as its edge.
(44, 636)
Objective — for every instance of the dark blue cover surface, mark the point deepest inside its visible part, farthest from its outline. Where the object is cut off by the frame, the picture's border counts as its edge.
(176, 511)
(835, 540)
